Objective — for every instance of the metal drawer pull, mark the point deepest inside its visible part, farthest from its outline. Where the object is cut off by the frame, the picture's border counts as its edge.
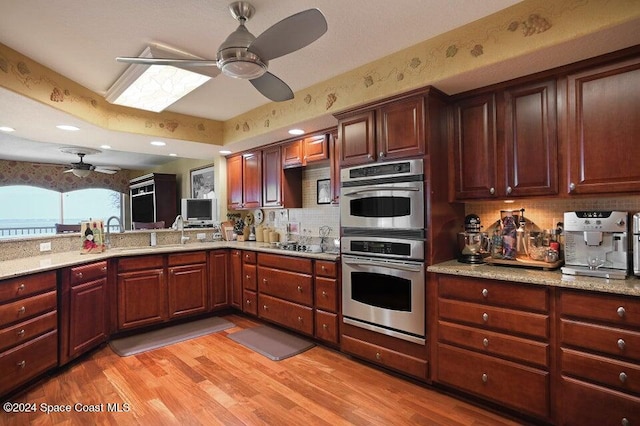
(485, 292)
(485, 317)
(621, 344)
(299, 319)
(485, 342)
(265, 307)
(248, 302)
(21, 287)
(264, 281)
(325, 326)
(79, 274)
(378, 356)
(625, 422)
(20, 333)
(104, 269)
(623, 377)
(299, 289)
(621, 312)
(485, 378)
(21, 364)
(324, 293)
(323, 268)
(248, 277)
(22, 310)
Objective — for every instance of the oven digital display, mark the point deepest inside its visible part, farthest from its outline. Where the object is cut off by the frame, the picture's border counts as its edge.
(381, 247)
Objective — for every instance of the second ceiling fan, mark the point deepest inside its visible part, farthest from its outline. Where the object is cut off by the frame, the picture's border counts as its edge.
(242, 55)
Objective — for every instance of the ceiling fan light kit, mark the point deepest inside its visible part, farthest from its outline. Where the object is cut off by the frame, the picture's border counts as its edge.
(82, 169)
(244, 56)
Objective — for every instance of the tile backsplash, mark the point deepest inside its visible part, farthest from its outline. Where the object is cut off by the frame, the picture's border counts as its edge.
(543, 212)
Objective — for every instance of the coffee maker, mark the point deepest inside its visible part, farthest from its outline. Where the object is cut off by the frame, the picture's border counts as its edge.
(472, 243)
(596, 244)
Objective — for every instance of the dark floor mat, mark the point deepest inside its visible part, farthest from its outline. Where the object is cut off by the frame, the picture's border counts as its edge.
(270, 342)
(138, 343)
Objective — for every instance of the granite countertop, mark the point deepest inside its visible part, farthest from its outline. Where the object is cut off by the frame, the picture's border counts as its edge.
(51, 261)
(555, 278)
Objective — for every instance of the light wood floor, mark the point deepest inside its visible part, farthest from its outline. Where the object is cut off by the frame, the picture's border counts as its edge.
(213, 380)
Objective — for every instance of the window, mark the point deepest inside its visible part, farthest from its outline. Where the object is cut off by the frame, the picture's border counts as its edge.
(29, 210)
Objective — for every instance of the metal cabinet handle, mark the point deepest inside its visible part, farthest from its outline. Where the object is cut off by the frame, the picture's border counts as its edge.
(248, 302)
(485, 342)
(299, 319)
(299, 289)
(485, 317)
(621, 312)
(623, 377)
(625, 422)
(323, 267)
(485, 378)
(20, 333)
(21, 364)
(381, 154)
(79, 275)
(104, 269)
(492, 190)
(369, 156)
(264, 281)
(324, 293)
(21, 287)
(621, 344)
(378, 356)
(509, 190)
(485, 292)
(265, 307)
(22, 310)
(325, 326)
(572, 187)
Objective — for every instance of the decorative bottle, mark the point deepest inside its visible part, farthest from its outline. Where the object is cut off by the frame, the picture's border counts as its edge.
(509, 237)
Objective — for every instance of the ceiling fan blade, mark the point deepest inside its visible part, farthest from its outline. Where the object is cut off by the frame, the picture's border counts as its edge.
(168, 61)
(109, 170)
(68, 171)
(272, 87)
(289, 35)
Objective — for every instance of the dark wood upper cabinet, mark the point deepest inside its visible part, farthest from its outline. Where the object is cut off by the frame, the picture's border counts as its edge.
(244, 181)
(305, 151)
(234, 182)
(603, 125)
(530, 140)
(475, 147)
(272, 177)
(393, 130)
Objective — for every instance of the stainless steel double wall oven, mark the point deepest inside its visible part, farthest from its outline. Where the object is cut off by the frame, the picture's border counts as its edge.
(382, 216)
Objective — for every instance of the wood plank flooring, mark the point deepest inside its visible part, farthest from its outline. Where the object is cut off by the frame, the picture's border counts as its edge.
(212, 380)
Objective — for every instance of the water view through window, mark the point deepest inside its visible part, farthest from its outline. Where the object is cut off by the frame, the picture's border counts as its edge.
(28, 210)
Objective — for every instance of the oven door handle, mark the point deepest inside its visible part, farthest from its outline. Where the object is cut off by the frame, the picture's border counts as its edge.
(381, 188)
(390, 265)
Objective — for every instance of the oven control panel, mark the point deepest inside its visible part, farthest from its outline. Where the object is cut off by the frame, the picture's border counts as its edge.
(380, 247)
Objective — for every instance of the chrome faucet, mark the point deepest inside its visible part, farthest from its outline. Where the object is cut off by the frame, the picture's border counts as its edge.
(107, 238)
(179, 224)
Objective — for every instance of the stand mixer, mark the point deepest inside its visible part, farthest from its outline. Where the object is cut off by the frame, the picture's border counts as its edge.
(472, 243)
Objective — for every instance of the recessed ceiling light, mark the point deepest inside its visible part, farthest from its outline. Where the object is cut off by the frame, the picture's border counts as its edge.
(296, 132)
(67, 127)
(158, 143)
(225, 151)
(7, 129)
(173, 154)
(105, 146)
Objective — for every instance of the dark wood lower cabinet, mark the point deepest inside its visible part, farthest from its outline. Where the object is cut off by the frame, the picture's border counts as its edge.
(187, 284)
(142, 298)
(218, 282)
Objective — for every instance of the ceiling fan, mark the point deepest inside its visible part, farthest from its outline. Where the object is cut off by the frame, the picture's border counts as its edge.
(82, 169)
(242, 55)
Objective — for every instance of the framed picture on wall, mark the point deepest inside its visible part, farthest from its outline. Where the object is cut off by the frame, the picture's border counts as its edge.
(324, 191)
(202, 182)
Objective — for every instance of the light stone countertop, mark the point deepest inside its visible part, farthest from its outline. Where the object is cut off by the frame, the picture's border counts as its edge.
(629, 287)
(28, 265)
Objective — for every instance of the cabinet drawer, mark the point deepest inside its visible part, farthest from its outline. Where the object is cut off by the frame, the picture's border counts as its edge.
(290, 263)
(86, 273)
(249, 257)
(288, 314)
(327, 327)
(249, 277)
(139, 262)
(609, 340)
(511, 384)
(386, 357)
(250, 303)
(536, 325)
(326, 269)
(533, 298)
(16, 288)
(587, 404)
(327, 294)
(286, 285)
(189, 258)
(613, 309)
(491, 343)
(26, 330)
(605, 371)
(27, 308)
(24, 362)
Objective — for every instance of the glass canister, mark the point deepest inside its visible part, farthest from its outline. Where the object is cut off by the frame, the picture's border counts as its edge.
(509, 236)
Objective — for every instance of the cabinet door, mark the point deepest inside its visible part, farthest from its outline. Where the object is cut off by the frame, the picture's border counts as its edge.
(87, 317)
(218, 293)
(142, 298)
(315, 148)
(401, 129)
(531, 147)
(356, 135)
(187, 285)
(272, 177)
(235, 277)
(292, 154)
(252, 180)
(234, 182)
(474, 148)
(603, 127)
